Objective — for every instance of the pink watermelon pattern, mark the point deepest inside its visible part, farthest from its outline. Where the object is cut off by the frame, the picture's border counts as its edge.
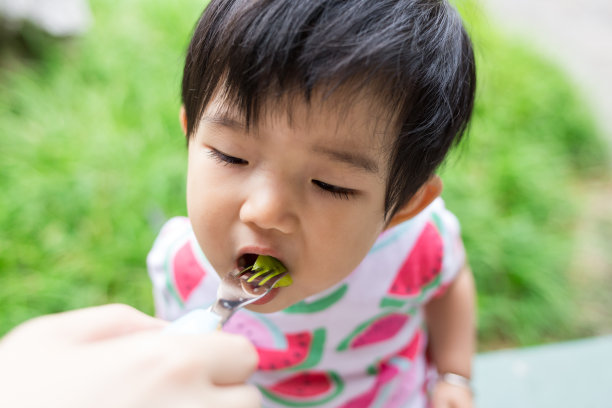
(306, 389)
(414, 348)
(377, 357)
(387, 373)
(389, 370)
(375, 330)
(294, 351)
(420, 270)
(186, 271)
(258, 329)
(304, 350)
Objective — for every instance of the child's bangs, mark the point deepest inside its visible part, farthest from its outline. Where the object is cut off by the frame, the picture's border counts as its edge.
(268, 99)
(270, 54)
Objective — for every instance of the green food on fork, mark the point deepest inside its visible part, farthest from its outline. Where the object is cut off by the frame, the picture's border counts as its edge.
(267, 267)
(267, 273)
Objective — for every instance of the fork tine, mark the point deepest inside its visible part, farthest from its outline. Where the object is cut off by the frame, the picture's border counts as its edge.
(227, 303)
(257, 274)
(270, 276)
(245, 270)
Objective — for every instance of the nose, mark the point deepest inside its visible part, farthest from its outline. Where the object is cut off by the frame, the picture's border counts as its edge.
(270, 205)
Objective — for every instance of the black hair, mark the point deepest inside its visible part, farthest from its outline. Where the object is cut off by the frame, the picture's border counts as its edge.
(414, 54)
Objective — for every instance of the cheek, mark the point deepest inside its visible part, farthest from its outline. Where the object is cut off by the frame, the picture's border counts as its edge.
(357, 240)
(341, 248)
(209, 203)
(207, 193)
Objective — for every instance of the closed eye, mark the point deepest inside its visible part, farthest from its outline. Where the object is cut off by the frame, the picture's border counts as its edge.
(226, 159)
(335, 191)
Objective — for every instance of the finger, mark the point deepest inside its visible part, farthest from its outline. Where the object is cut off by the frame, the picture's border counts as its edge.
(97, 323)
(227, 358)
(216, 358)
(214, 362)
(241, 396)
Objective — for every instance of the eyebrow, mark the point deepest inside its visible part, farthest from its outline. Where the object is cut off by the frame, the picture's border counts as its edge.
(353, 159)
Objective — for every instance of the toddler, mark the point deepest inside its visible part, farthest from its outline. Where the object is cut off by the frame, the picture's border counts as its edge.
(314, 129)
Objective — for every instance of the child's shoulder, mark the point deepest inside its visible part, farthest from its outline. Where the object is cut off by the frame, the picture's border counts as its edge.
(445, 221)
(426, 253)
(181, 275)
(439, 224)
(174, 235)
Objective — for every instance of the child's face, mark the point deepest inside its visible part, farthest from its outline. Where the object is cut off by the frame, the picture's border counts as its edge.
(307, 188)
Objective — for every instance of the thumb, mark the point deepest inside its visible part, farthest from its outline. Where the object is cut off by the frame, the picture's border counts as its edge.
(95, 323)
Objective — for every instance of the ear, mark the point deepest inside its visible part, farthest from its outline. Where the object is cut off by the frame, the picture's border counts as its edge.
(183, 119)
(423, 197)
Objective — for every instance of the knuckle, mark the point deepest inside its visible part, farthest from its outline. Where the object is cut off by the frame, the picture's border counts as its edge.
(38, 326)
(25, 329)
(123, 316)
(179, 361)
(119, 309)
(243, 347)
(170, 358)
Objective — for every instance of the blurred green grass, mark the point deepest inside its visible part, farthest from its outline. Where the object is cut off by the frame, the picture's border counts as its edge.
(93, 158)
(93, 162)
(514, 186)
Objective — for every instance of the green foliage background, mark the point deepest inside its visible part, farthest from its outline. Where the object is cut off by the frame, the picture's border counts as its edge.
(93, 162)
(513, 187)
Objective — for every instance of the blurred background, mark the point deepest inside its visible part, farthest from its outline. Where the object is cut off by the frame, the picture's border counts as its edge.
(92, 159)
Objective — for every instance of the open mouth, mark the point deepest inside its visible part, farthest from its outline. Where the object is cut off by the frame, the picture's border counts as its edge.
(246, 261)
(257, 270)
(245, 269)
(262, 276)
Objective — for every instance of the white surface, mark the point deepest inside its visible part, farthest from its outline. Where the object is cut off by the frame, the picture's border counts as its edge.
(575, 374)
(57, 17)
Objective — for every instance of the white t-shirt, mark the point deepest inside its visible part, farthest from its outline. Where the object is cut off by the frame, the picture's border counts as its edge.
(358, 344)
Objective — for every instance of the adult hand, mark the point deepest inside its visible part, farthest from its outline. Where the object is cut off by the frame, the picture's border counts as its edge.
(115, 356)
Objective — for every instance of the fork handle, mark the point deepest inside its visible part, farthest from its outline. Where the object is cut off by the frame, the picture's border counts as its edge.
(195, 322)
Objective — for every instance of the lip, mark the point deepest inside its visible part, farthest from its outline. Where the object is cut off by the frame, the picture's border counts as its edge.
(259, 250)
(267, 298)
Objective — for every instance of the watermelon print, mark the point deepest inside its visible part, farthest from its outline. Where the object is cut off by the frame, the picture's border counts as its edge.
(420, 271)
(415, 347)
(405, 356)
(303, 351)
(306, 389)
(278, 351)
(187, 272)
(257, 328)
(387, 372)
(375, 330)
(397, 368)
(320, 304)
(338, 348)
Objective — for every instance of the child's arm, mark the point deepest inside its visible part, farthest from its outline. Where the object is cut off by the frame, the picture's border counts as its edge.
(451, 323)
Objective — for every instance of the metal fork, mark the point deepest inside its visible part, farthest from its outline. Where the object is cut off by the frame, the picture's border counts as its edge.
(233, 293)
